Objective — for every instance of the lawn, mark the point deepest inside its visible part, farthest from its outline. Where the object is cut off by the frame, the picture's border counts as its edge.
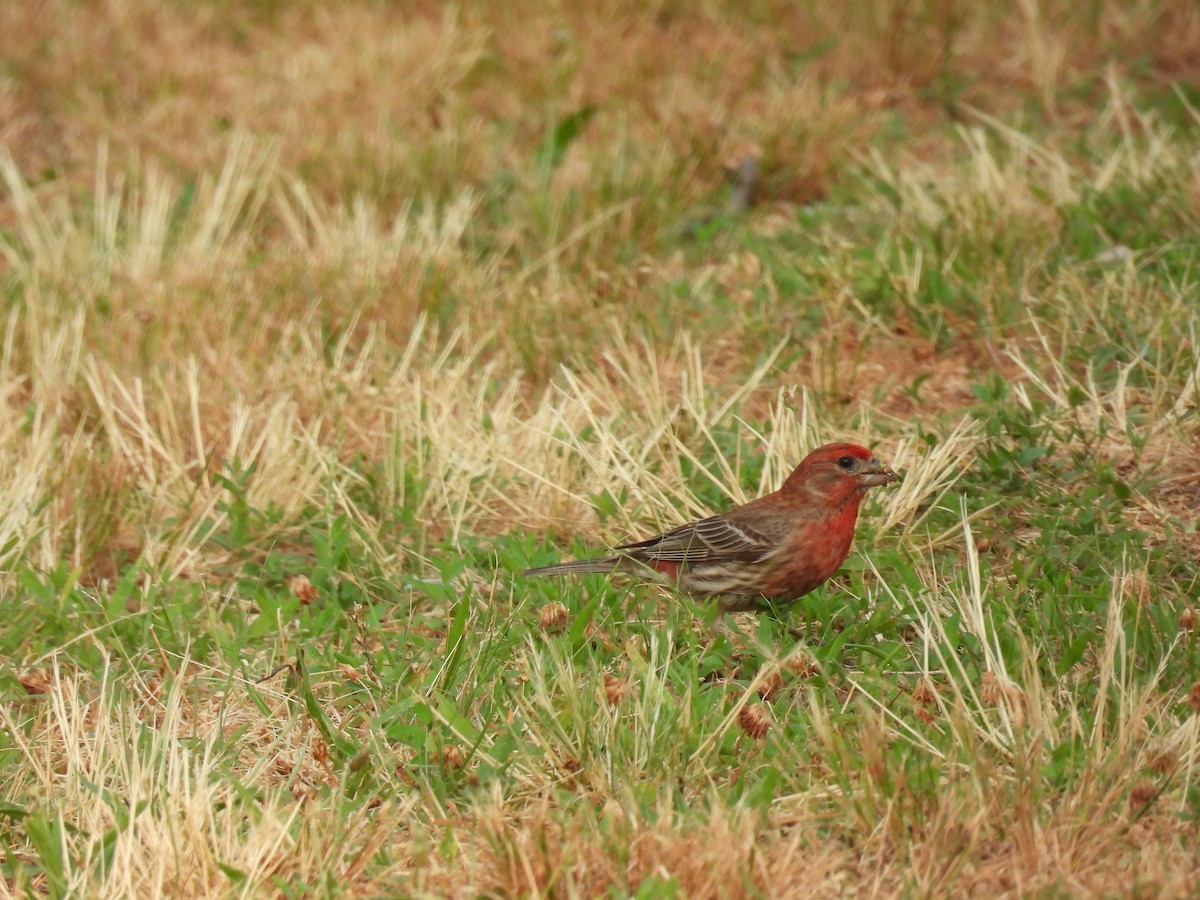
(324, 321)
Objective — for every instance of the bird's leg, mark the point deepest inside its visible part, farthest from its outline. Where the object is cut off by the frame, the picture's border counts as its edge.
(778, 612)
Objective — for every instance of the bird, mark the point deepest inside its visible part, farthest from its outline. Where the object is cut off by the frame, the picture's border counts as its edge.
(766, 553)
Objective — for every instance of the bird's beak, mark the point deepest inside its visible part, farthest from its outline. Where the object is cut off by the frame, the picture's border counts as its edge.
(875, 474)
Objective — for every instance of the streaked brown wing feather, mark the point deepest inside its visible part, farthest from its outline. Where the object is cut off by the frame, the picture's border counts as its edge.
(717, 539)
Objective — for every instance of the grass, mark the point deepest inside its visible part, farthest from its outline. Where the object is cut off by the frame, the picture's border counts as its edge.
(321, 326)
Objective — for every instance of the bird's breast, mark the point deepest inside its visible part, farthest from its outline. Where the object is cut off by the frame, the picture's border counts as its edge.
(813, 554)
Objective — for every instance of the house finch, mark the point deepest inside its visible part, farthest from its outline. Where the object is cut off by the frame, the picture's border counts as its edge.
(771, 550)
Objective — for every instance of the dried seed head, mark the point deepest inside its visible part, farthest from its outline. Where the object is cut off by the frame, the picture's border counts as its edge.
(996, 691)
(1164, 762)
(614, 688)
(925, 693)
(1187, 619)
(1194, 697)
(36, 681)
(452, 757)
(771, 685)
(990, 691)
(570, 763)
(1136, 587)
(554, 616)
(320, 752)
(754, 720)
(1142, 795)
(302, 589)
(802, 666)
(598, 636)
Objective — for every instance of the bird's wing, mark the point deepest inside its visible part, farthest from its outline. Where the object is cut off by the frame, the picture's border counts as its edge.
(717, 539)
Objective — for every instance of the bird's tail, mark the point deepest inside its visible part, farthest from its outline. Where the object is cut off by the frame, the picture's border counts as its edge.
(579, 567)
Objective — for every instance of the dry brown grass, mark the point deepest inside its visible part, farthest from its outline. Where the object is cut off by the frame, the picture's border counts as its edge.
(191, 807)
(410, 100)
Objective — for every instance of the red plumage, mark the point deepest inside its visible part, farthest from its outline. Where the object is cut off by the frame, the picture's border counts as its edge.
(773, 549)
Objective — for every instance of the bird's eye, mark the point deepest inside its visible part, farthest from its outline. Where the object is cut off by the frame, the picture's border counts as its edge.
(846, 462)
